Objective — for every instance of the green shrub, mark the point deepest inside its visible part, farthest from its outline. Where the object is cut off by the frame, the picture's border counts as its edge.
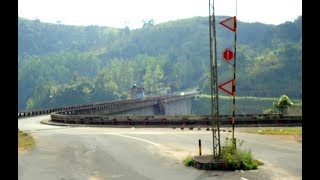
(247, 160)
(237, 158)
(268, 111)
(188, 161)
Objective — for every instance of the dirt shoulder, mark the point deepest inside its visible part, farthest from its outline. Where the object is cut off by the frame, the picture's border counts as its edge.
(21, 150)
(297, 138)
(25, 142)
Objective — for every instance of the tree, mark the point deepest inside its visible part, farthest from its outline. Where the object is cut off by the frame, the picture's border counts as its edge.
(152, 78)
(42, 97)
(147, 23)
(283, 102)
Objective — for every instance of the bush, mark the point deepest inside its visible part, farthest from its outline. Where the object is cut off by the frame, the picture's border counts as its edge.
(268, 111)
(188, 161)
(247, 160)
(235, 157)
(282, 102)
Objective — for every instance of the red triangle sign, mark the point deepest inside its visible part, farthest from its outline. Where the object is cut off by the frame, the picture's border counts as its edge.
(225, 90)
(230, 23)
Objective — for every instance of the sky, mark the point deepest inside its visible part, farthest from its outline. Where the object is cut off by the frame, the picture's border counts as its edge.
(132, 13)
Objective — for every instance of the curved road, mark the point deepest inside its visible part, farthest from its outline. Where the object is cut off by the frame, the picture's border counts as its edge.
(93, 153)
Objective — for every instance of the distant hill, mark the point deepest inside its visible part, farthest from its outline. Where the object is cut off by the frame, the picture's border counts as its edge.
(58, 58)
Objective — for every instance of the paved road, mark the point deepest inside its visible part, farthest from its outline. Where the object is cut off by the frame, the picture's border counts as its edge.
(91, 153)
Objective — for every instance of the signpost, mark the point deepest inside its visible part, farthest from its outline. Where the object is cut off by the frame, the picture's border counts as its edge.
(228, 55)
(231, 23)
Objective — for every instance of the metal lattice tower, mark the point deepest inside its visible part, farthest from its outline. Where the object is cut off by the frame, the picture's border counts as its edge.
(214, 82)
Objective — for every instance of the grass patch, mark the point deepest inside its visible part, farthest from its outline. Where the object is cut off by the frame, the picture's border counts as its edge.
(232, 157)
(276, 131)
(188, 161)
(240, 97)
(25, 141)
(237, 158)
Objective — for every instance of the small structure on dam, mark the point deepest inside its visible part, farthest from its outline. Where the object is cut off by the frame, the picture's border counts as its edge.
(137, 91)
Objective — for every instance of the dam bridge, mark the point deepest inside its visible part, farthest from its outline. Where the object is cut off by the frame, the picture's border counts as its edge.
(158, 111)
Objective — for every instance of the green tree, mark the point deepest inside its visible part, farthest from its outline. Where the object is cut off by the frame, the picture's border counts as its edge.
(152, 78)
(147, 23)
(282, 102)
(78, 91)
(42, 97)
(51, 52)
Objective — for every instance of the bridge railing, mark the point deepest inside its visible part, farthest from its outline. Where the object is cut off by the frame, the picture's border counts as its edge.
(174, 120)
(85, 107)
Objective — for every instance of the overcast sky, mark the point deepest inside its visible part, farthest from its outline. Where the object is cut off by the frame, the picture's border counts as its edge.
(120, 13)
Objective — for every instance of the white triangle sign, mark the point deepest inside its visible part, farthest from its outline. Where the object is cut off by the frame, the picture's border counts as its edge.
(230, 23)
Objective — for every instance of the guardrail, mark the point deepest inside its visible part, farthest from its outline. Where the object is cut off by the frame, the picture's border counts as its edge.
(166, 120)
(99, 105)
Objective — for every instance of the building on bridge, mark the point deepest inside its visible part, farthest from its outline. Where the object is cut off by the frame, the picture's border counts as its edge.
(137, 91)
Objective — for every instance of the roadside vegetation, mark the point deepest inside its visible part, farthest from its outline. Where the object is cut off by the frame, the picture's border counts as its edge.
(289, 133)
(276, 130)
(188, 161)
(25, 141)
(234, 156)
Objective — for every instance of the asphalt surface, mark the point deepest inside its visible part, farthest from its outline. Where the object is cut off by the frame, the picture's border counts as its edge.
(93, 153)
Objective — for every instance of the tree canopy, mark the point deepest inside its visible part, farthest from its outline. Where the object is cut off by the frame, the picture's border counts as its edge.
(282, 102)
(64, 65)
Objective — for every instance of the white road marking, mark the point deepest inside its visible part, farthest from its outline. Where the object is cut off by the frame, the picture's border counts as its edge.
(143, 140)
(165, 151)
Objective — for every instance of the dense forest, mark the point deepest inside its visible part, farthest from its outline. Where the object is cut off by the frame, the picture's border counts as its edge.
(61, 65)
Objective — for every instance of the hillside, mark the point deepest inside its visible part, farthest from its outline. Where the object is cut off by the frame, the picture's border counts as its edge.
(62, 65)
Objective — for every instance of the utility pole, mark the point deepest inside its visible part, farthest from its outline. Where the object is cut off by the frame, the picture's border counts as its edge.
(214, 82)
